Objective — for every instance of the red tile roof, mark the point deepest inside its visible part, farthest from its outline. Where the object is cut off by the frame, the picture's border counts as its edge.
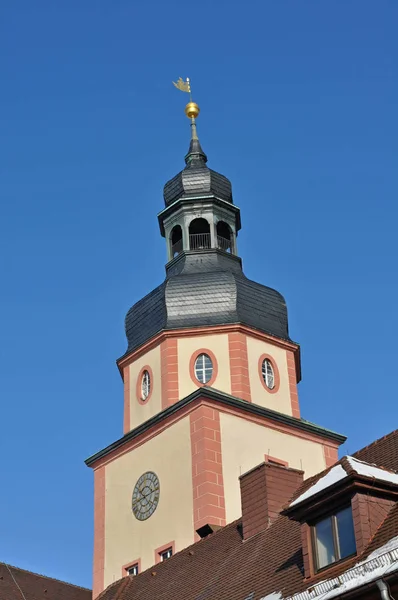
(224, 567)
(383, 452)
(18, 584)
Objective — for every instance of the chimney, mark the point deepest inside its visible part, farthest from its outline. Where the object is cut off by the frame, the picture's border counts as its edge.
(264, 491)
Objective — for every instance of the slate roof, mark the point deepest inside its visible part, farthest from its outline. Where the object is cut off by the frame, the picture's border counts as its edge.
(223, 567)
(18, 584)
(197, 179)
(203, 289)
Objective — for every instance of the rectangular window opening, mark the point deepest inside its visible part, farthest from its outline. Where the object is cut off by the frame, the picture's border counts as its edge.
(133, 570)
(165, 554)
(334, 538)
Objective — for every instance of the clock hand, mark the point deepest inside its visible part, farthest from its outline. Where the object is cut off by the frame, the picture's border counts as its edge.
(137, 499)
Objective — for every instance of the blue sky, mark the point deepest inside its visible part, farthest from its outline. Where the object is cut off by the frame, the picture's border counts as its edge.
(299, 109)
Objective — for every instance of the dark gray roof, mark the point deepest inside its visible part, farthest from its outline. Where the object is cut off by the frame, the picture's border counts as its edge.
(203, 289)
(197, 179)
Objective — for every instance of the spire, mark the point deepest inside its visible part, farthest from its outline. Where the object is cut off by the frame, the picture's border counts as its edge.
(195, 153)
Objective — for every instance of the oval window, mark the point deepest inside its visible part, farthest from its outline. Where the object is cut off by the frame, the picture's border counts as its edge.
(203, 368)
(145, 385)
(268, 374)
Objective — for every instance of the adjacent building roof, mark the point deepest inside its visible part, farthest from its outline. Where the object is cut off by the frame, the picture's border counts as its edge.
(18, 584)
(346, 467)
(383, 453)
(223, 567)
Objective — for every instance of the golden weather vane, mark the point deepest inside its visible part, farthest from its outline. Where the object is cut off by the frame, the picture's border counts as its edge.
(192, 109)
(184, 86)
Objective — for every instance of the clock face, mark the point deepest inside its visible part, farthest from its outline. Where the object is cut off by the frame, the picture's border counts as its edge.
(145, 496)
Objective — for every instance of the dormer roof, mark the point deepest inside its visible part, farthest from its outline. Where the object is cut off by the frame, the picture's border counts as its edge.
(347, 467)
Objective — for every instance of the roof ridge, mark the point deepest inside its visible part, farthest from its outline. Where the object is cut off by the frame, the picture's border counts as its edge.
(122, 587)
(382, 438)
(45, 576)
(307, 483)
(111, 585)
(372, 464)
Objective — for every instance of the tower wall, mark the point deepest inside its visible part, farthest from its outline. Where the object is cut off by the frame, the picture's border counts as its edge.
(197, 455)
(280, 397)
(136, 410)
(246, 443)
(236, 352)
(127, 539)
(189, 348)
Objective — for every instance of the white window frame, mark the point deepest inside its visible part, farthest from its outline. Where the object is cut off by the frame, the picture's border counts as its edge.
(145, 385)
(133, 570)
(166, 554)
(268, 373)
(200, 369)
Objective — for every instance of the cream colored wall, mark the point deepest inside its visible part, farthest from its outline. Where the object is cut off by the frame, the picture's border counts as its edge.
(218, 344)
(141, 412)
(279, 401)
(126, 539)
(244, 445)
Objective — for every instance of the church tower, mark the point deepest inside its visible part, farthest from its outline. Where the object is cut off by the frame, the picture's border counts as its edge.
(210, 388)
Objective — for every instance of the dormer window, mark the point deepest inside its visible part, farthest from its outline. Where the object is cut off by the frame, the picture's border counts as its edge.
(334, 538)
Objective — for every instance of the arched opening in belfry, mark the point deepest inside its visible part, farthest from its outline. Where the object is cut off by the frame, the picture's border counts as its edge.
(176, 240)
(224, 236)
(199, 234)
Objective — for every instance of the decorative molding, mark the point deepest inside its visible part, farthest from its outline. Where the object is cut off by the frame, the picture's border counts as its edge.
(207, 473)
(127, 399)
(213, 329)
(169, 371)
(224, 403)
(239, 365)
(292, 376)
(99, 531)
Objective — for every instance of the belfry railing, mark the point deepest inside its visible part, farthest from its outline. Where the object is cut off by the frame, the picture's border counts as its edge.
(223, 244)
(199, 241)
(176, 248)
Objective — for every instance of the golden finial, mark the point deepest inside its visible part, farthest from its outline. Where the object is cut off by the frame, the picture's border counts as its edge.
(192, 110)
